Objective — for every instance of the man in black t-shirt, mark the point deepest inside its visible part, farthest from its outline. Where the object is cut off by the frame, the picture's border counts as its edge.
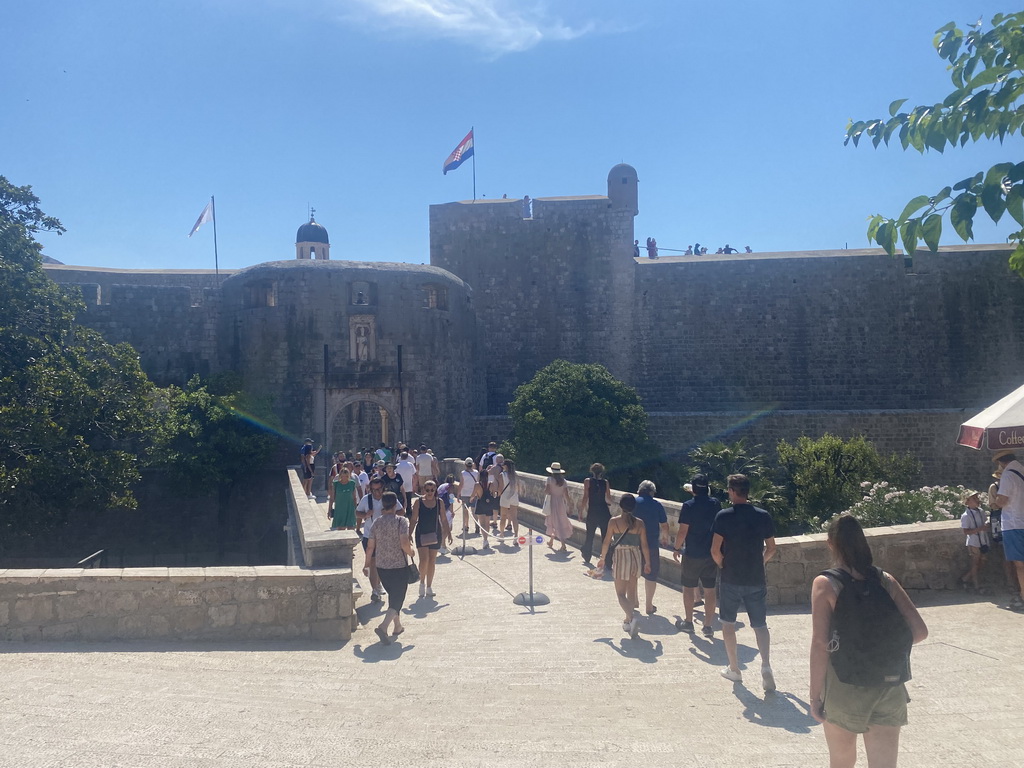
(744, 540)
(696, 518)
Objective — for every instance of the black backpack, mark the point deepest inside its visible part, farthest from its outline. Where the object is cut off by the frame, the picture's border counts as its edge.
(871, 641)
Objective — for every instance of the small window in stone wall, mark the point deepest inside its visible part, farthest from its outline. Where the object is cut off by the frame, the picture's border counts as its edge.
(435, 297)
(263, 294)
(362, 293)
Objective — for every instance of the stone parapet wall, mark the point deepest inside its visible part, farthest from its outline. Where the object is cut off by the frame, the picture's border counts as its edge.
(268, 602)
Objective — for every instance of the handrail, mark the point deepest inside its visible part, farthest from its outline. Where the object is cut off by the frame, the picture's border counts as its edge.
(96, 559)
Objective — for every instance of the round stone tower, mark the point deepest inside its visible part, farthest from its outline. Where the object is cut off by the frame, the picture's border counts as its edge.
(622, 187)
(311, 242)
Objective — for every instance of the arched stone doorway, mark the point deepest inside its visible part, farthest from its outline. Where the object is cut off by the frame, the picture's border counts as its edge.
(362, 424)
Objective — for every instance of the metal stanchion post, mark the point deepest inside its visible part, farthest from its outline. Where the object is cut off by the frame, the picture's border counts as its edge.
(464, 549)
(531, 598)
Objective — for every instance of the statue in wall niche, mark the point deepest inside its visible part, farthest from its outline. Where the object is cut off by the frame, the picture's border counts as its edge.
(362, 343)
(362, 338)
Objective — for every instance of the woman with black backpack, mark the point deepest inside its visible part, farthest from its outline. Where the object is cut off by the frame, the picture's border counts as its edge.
(864, 624)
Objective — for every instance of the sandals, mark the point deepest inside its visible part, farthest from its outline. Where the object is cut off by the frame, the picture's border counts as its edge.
(384, 639)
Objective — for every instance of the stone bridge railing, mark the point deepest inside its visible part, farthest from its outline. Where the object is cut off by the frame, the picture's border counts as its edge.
(312, 598)
(922, 556)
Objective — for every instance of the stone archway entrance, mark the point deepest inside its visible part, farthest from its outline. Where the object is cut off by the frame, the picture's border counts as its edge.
(362, 418)
(362, 424)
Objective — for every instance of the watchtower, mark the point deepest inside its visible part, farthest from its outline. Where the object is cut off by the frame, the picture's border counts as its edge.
(622, 188)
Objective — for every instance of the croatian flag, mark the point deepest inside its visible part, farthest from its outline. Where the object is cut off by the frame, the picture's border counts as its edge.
(461, 153)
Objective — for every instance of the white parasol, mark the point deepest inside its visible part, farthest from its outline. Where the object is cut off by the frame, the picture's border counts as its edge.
(998, 427)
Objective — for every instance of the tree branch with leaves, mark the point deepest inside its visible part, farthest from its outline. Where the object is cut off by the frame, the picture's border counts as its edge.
(987, 71)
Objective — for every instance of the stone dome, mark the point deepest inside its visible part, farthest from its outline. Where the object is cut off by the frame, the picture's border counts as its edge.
(312, 232)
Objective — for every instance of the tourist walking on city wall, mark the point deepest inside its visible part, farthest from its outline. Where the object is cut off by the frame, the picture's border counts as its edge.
(652, 514)
(864, 625)
(391, 548)
(556, 494)
(426, 467)
(467, 492)
(431, 527)
(509, 500)
(744, 540)
(342, 500)
(1010, 499)
(486, 504)
(632, 555)
(394, 483)
(693, 543)
(369, 509)
(595, 508)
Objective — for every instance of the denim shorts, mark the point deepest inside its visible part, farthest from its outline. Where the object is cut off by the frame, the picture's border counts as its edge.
(1013, 545)
(754, 601)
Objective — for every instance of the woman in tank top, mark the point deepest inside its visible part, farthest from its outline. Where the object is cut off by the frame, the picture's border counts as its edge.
(631, 555)
(431, 528)
(597, 501)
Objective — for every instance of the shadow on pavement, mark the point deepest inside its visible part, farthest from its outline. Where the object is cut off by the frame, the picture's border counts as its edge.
(640, 649)
(375, 652)
(423, 607)
(775, 710)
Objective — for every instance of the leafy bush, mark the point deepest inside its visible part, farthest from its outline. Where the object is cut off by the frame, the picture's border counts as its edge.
(824, 476)
(577, 414)
(882, 504)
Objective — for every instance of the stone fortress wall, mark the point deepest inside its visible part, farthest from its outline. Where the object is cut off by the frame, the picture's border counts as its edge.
(761, 346)
(750, 345)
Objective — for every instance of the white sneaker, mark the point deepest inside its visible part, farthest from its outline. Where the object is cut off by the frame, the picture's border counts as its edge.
(430, 592)
(731, 674)
(310, 497)
(625, 627)
(423, 588)
(767, 679)
(634, 628)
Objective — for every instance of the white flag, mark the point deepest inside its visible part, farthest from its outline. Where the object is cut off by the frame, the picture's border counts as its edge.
(205, 216)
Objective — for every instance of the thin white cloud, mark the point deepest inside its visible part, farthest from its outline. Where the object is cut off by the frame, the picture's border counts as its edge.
(495, 26)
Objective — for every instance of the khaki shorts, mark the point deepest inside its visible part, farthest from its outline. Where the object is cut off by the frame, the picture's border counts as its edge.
(856, 708)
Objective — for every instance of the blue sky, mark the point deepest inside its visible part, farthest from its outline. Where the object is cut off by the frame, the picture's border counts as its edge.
(125, 116)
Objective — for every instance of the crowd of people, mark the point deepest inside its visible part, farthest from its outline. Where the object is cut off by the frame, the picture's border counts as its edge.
(863, 622)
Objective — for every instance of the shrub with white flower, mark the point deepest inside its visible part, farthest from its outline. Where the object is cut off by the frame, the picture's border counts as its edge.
(884, 505)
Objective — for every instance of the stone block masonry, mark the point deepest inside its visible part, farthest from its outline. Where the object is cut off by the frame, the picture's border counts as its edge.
(239, 603)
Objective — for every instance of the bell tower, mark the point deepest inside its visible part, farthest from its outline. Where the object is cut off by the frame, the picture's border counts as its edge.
(311, 241)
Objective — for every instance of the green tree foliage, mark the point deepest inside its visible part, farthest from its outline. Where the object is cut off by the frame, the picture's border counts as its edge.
(825, 476)
(718, 460)
(987, 70)
(72, 407)
(577, 414)
(207, 444)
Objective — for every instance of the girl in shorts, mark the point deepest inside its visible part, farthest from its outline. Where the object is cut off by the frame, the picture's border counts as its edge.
(631, 555)
(845, 710)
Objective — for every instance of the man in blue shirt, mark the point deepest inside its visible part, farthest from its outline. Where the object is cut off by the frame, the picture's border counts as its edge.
(650, 511)
(744, 540)
(696, 519)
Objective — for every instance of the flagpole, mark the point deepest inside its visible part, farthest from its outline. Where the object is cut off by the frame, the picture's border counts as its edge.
(216, 260)
(472, 129)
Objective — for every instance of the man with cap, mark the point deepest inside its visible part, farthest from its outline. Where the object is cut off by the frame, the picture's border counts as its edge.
(1010, 498)
(693, 542)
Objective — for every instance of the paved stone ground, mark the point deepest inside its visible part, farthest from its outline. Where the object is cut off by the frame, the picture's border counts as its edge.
(479, 681)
